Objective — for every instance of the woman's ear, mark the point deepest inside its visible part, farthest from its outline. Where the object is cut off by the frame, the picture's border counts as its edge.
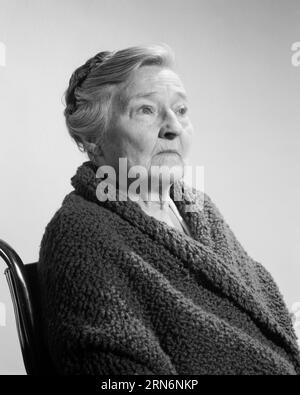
(95, 153)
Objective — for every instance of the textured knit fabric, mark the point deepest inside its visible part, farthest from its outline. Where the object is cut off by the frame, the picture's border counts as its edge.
(124, 293)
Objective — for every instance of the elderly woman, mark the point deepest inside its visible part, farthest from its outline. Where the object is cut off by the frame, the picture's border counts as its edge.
(148, 285)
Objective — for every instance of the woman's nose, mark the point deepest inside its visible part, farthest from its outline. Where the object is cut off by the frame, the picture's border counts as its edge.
(171, 127)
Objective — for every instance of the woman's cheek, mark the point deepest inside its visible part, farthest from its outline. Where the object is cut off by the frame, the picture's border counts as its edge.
(187, 141)
(146, 136)
(138, 147)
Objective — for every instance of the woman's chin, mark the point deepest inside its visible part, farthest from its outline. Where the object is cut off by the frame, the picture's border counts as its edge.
(167, 160)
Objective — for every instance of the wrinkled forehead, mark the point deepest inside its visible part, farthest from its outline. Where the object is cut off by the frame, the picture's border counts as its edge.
(152, 77)
(148, 79)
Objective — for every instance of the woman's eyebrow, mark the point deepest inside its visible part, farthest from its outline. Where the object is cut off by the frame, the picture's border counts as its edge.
(182, 94)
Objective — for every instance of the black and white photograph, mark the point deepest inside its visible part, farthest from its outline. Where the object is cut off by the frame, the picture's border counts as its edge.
(150, 194)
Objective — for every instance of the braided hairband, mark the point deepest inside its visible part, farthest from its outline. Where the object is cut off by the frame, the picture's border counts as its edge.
(80, 75)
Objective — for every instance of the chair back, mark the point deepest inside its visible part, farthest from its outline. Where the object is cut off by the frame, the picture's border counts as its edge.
(24, 289)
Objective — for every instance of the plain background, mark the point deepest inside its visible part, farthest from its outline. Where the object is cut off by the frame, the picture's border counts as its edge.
(234, 58)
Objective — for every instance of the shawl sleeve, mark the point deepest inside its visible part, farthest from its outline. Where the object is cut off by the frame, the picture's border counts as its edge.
(89, 327)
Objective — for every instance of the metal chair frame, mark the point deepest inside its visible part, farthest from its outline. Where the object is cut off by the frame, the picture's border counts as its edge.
(24, 291)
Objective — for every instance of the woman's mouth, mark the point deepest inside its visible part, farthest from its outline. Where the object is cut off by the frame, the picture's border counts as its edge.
(169, 152)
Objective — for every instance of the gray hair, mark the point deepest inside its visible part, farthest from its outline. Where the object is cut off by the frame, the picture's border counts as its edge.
(91, 87)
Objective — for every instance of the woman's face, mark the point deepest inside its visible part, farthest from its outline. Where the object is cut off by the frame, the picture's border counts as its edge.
(149, 116)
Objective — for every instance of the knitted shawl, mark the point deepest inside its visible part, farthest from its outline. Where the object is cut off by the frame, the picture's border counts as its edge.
(124, 293)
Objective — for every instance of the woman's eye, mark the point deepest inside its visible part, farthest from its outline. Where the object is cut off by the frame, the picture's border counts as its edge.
(183, 110)
(147, 109)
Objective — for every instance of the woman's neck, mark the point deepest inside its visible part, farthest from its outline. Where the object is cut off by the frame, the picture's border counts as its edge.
(150, 198)
(156, 199)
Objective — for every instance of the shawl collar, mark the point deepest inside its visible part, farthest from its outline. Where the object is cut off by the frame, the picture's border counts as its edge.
(230, 271)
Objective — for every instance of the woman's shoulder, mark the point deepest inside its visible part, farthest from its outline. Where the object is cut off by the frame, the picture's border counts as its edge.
(77, 220)
(76, 209)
